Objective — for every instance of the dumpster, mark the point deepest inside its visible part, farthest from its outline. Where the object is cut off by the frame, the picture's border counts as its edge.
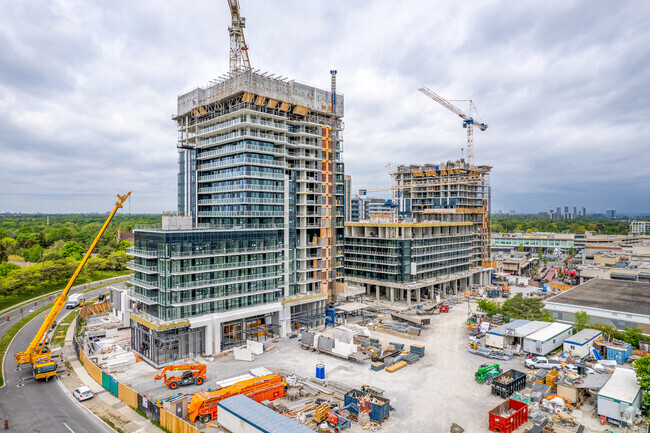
(506, 417)
(380, 406)
(508, 383)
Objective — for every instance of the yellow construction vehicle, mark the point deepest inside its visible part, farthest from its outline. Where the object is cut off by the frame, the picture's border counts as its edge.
(38, 353)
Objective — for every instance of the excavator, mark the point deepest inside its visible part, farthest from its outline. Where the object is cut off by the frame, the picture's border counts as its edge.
(38, 353)
(194, 374)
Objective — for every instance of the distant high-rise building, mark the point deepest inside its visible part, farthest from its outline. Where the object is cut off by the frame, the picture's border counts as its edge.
(566, 209)
(355, 209)
(610, 213)
(558, 209)
(575, 210)
(347, 190)
(583, 211)
(640, 227)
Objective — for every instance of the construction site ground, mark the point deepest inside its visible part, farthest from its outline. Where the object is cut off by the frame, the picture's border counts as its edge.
(431, 394)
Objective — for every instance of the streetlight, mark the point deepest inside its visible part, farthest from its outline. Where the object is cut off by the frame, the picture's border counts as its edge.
(43, 268)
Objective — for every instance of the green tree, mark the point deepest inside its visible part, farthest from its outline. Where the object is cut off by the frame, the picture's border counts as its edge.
(520, 249)
(518, 307)
(123, 245)
(607, 329)
(571, 251)
(632, 336)
(6, 267)
(489, 306)
(642, 367)
(581, 321)
(3, 253)
(73, 250)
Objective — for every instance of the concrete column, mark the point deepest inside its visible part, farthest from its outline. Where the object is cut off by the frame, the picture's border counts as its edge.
(377, 291)
(392, 294)
(408, 296)
(417, 295)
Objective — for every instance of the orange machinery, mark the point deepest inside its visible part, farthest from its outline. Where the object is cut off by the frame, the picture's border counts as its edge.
(204, 404)
(194, 374)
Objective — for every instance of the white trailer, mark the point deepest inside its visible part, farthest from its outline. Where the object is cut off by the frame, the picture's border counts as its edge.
(620, 398)
(76, 300)
(547, 339)
(581, 343)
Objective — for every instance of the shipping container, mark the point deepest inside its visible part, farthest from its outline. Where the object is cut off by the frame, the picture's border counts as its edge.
(380, 405)
(508, 383)
(508, 416)
(619, 353)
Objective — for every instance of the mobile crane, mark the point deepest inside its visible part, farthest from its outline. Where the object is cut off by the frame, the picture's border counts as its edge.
(38, 353)
(194, 374)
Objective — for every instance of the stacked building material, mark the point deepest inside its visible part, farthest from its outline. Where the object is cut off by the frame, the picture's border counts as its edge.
(411, 358)
(398, 365)
(417, 349)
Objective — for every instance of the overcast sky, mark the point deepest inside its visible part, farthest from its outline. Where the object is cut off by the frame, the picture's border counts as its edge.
(87, 90)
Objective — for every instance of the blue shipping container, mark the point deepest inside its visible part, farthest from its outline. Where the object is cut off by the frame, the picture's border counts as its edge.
(619, 354)
(379, 412)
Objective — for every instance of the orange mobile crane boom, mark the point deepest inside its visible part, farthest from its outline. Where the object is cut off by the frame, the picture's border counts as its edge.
(38, 353)
(194, 374)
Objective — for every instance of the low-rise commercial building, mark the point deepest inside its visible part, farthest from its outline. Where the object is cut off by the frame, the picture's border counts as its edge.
(618, 303)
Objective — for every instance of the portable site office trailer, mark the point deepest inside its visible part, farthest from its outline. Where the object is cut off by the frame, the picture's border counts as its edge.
(547, 339)
(503, 336)
(581, 343)
(620, 398)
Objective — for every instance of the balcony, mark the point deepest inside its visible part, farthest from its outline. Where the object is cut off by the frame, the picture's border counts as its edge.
(221, 281)
(240, 161)
(147, 269)
(227, 188)
(240, 148)
(234, 294)
(149, 300)
(224, 252)
(242, 213)
(220, 266)
(141, 252)
(244, 200)
(235, 175)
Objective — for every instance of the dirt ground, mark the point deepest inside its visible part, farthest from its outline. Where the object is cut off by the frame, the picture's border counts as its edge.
(427, 396)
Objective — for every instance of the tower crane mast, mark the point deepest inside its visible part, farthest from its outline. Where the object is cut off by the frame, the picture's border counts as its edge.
(468, 120)
(239, 60)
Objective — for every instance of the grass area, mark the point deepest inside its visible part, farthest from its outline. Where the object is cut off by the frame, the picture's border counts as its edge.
(59, 333)
(9, 335)
(22, 297)
(112, 424)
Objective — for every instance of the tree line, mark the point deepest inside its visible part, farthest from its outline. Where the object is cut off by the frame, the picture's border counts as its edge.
(57, 248)
(533, 223)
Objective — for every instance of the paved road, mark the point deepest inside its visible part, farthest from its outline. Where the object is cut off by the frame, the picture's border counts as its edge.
(15, 315)
(41, 406)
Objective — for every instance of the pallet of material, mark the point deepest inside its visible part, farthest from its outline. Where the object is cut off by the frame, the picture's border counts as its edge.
(393, 368)
(418, 349)
(411, 358)
(377, 366)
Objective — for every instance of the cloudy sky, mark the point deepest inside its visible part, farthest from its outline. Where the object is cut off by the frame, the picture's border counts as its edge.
(87, 90)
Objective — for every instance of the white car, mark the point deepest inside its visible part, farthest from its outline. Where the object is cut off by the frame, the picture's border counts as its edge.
(83, 393)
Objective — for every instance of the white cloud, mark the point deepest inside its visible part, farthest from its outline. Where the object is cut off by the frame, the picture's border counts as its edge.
(87, 90)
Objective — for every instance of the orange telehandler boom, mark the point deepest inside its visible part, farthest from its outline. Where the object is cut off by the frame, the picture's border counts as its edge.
(194, 375)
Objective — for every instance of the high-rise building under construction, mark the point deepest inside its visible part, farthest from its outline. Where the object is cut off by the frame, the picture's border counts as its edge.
(433, 238)
(256, 248)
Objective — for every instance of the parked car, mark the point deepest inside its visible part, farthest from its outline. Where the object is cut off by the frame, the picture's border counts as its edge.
(83, 393)
(542, 362)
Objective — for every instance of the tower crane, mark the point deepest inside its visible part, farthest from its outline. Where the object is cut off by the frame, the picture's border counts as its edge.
(239, 60)
(38, 353)
(468, 120)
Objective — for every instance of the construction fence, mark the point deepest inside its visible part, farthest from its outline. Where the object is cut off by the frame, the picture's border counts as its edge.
(131, 397)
